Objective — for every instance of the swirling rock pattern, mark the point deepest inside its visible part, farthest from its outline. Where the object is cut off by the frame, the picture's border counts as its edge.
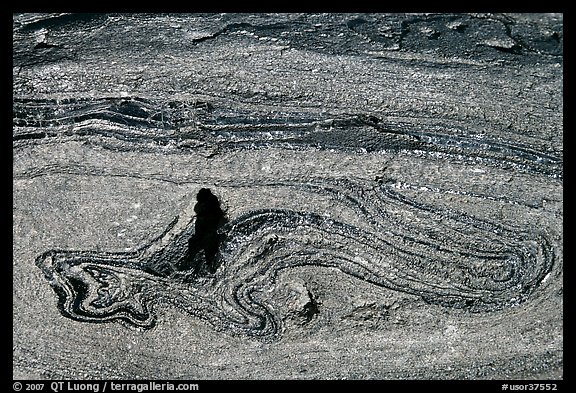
(382, 184)
(449, 259)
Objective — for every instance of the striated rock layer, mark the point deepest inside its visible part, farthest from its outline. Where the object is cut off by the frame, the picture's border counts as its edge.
(392, 186)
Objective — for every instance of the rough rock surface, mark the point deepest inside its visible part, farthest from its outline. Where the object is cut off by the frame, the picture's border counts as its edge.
(392, 184)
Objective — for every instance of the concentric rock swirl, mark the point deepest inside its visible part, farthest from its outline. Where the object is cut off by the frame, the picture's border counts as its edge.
(446, 257)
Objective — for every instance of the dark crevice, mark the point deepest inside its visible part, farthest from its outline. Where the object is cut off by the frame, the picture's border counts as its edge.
(31, 135)
(310, 308)
(202, 251)
(44, 45)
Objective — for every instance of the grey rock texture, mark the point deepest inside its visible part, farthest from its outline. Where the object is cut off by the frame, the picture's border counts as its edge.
(392, 185)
